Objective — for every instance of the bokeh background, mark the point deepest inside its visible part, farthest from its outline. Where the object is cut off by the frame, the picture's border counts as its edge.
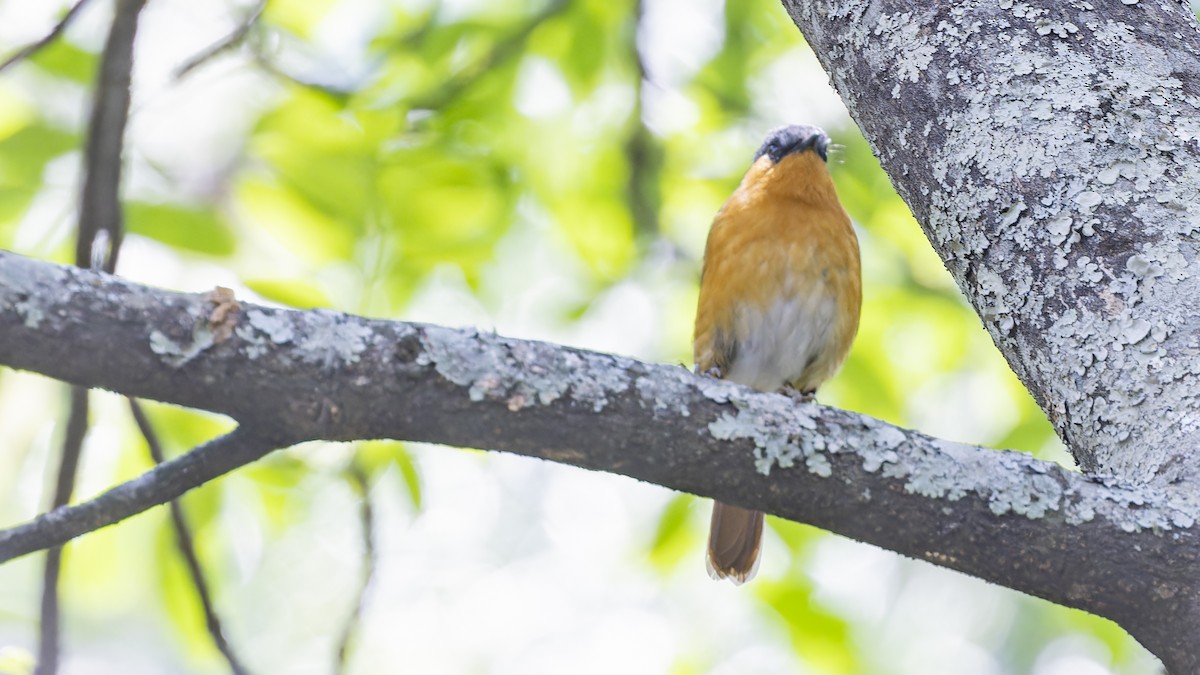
(546, 170)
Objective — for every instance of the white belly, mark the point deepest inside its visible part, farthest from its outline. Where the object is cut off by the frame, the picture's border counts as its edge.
(779, 343)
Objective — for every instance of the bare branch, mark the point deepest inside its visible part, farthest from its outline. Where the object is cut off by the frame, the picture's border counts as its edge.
(643, 155)
(99, 214)
(335, 91)
(34, 47)
(366, 522)
(100, 204)
(187, 550)
(233, 39)
(48, 630)
(158, 486)
(505, 49)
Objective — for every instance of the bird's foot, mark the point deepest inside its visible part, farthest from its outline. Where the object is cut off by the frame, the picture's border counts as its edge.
(806, 396)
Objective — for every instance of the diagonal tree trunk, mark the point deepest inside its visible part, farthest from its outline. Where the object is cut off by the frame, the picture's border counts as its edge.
(1050, 152)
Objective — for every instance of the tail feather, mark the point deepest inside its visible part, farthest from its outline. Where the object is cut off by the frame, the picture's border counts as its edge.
(734, 543)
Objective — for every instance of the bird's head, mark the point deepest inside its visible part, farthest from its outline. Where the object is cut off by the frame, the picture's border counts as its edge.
(792, 162)
(797, 138)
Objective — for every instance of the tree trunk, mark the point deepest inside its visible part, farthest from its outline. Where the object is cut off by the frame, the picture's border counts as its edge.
(1049, 151)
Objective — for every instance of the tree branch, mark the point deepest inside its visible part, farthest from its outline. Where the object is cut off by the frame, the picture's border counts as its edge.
(1001, 516)
(48, 629)
(501, 52)
(160, 485)
(99, 213)
(358, 479)
(643, 156)
(187, 549)
(100, 204)
(36, 46)
(233, 39)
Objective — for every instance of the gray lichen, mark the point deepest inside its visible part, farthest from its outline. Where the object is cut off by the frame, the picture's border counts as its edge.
(178, 353)
(261, 330)
(1062, 188)
(331, 338)
(31, 313)
(521, 374)
(783, 433)
(24, 291)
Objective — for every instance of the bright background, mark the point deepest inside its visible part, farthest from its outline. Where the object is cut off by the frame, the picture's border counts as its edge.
(480, 162)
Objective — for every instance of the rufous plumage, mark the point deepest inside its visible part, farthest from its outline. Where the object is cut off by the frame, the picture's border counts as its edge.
(780, 295)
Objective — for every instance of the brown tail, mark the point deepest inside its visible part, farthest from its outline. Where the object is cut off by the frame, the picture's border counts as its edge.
(734, 542)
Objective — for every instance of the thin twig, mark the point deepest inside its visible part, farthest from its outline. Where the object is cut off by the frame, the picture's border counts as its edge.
(160, 485)
(504, 50)
(99, 213)
(641, 150)
(48, 635)
(100, 204)
(233, 39)
(366, 519)
(333, 91)
(34, 47)
(183, 539)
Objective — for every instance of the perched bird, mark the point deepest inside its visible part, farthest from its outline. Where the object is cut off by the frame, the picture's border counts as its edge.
(780, 294)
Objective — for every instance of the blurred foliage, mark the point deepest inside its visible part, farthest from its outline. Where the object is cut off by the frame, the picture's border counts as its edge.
(379, 153)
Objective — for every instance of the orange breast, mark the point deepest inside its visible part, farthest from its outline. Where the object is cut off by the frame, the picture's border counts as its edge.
(781, 288)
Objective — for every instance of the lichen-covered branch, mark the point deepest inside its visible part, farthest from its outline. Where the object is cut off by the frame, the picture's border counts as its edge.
(1051, 152)
(294, 376)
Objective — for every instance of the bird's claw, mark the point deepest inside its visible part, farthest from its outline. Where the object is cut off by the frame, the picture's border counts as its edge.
(808, 396)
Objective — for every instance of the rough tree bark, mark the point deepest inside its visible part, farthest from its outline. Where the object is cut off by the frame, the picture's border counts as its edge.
(1049, 152)
(292, 376)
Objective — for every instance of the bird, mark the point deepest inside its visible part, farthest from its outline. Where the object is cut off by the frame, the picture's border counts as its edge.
(780, 296)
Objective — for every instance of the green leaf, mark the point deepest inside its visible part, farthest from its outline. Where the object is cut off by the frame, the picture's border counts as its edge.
(178, 595)
(293, 223)
(674, 540)
(798, 536)
(576, 45)
(278, 478)
(302, 17)
(26, 147)
(278, 470)
(601, 232)
(376, 456)
(181, 227)
(16, 661)
(821, 638)
(298, 293)
(181, 429)
(64, 59)
(412, 480)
